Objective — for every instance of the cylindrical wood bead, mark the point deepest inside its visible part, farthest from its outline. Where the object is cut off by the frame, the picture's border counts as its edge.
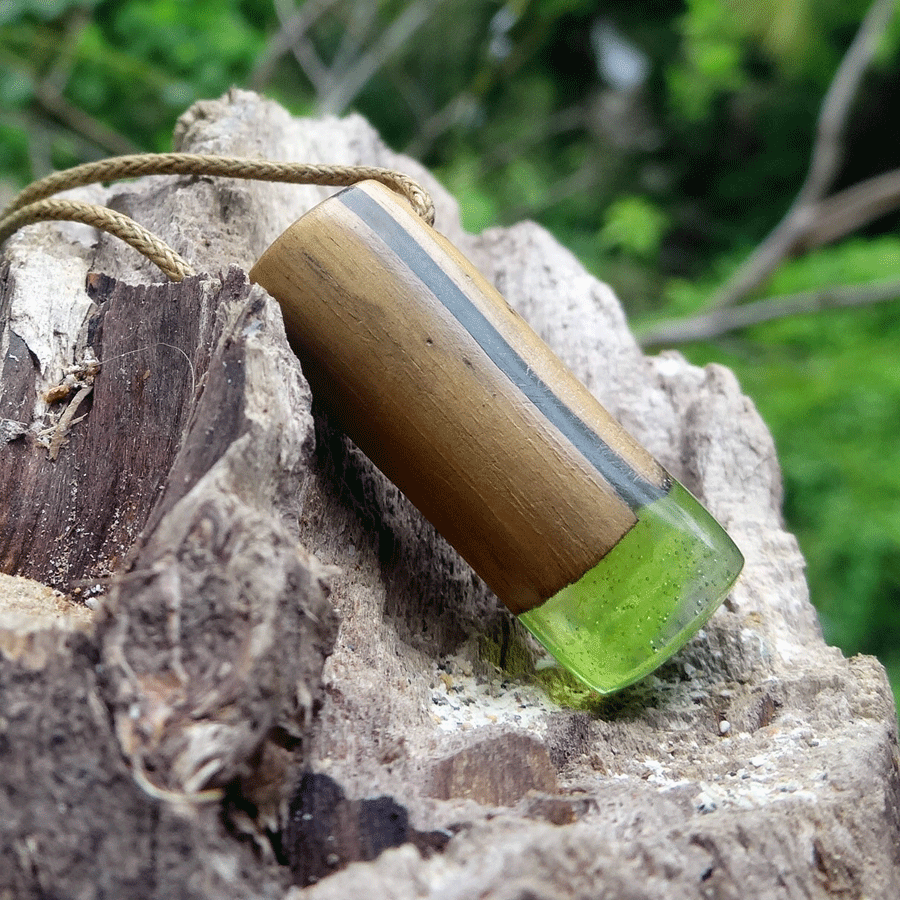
(454, 397)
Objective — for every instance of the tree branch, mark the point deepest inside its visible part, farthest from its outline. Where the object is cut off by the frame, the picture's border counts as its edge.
(360, 24)
(291, 30)
(851, 209)
(83, 124)
(349, 83)
(826, 158)
(439, 123)
(302, 47)
(75, 122)
(722, 321)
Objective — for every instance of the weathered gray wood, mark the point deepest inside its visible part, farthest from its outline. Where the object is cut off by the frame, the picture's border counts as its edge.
(75, 517)
(757, 764)
(74, 822)
(178, 721)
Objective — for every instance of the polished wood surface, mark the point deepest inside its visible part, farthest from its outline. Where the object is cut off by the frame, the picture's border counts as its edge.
(453, 396)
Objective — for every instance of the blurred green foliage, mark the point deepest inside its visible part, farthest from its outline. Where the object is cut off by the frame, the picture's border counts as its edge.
(660, 140)
(634, 225)
(829, 388)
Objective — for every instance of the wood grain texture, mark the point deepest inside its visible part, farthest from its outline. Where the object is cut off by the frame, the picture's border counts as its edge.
(204, 662)
(75, 518)
(454, 397)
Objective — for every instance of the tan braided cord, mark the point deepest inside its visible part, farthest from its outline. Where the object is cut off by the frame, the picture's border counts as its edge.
(31, 205)
(225, 166)
(117, 224)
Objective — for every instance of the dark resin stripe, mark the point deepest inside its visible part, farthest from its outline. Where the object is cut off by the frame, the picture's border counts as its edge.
(631, 486)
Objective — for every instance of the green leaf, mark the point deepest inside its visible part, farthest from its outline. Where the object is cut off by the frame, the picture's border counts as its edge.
(634, 225)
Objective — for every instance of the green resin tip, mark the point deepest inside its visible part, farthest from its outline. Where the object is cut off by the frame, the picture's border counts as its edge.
(645, 599)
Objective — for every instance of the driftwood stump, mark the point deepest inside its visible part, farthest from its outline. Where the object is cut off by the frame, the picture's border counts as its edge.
(234, 659)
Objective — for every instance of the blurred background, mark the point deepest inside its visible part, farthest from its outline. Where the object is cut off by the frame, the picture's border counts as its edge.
(730, 167)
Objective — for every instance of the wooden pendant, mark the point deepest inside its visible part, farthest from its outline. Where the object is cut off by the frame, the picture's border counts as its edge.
(454, 397)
